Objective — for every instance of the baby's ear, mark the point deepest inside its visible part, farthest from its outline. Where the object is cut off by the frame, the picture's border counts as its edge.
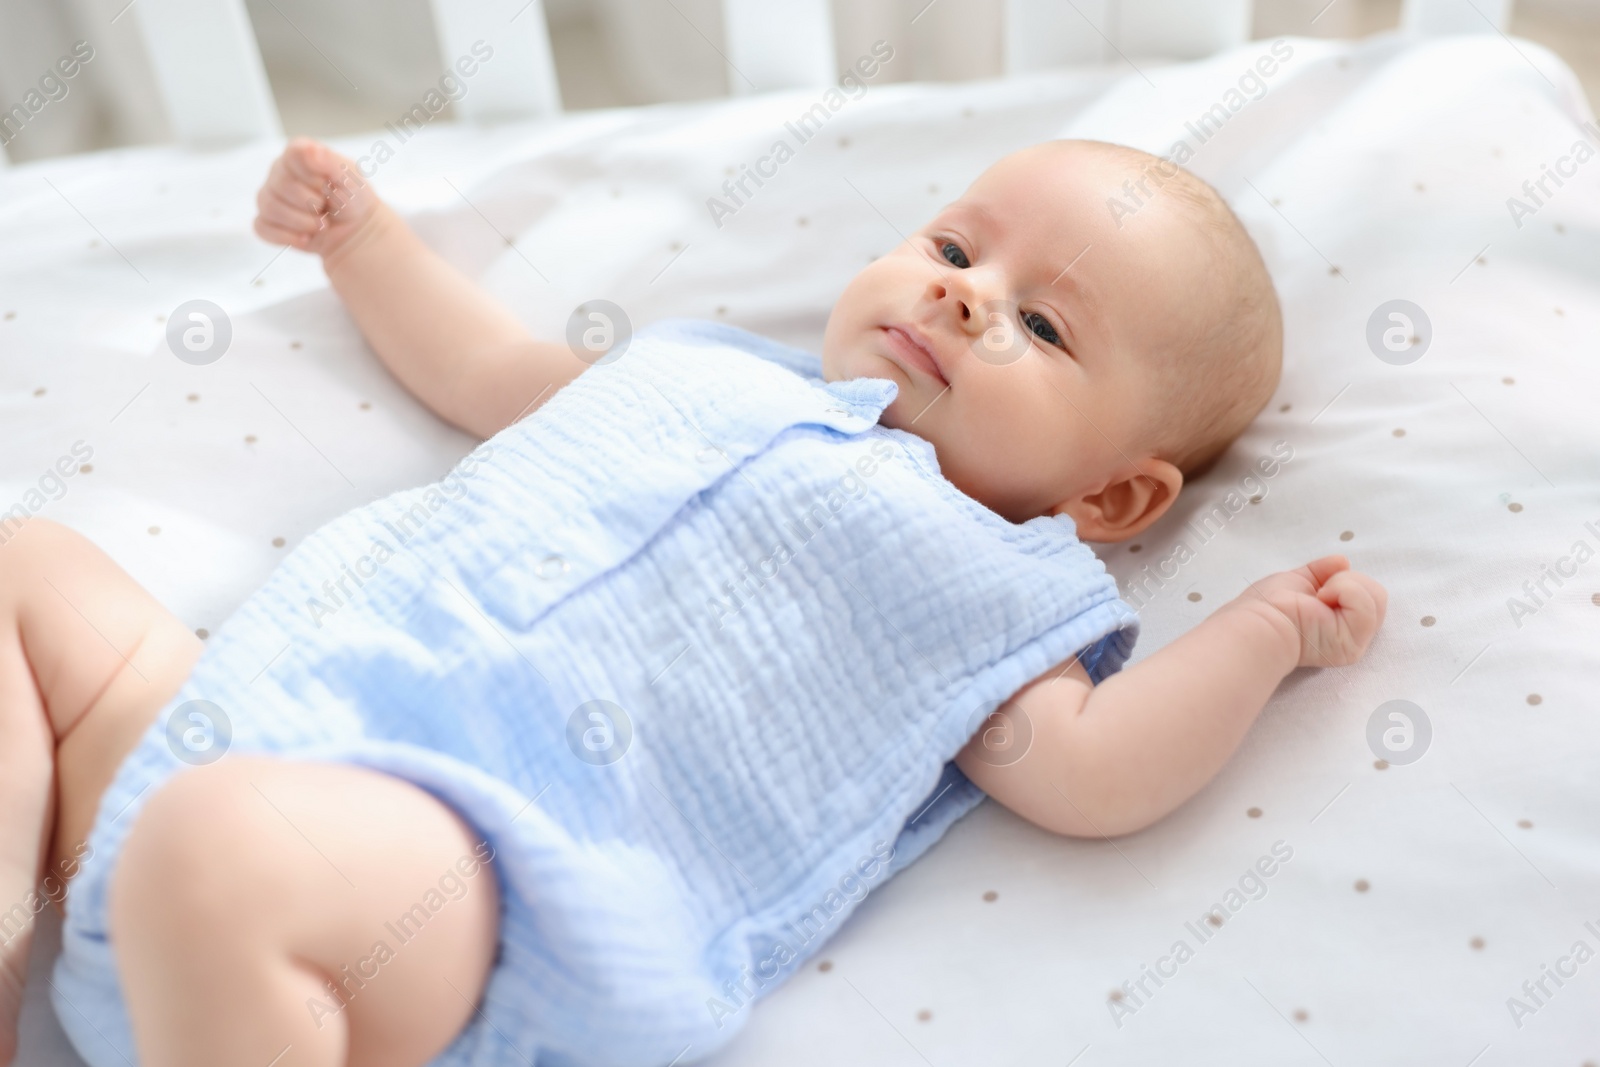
(1127, 506)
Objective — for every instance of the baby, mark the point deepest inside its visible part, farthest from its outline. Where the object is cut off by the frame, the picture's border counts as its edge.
(575, 753)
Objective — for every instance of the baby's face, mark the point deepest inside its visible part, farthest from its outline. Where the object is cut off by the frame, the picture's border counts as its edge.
(1019, 325)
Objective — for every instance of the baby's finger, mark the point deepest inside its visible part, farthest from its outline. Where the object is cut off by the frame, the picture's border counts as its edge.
(277, 235)
(293, 219)
(296, 194)
(1319, 571)
(315, 163)
(1375, 589)
(1352, 597)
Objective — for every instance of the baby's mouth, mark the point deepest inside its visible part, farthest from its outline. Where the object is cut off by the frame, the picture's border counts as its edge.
(913, 351)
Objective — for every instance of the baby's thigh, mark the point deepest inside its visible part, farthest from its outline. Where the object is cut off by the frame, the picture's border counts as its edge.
(102, 655)
(235, 871)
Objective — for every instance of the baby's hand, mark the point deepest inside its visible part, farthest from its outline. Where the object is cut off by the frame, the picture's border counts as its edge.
(1333, 611)
(314, 199)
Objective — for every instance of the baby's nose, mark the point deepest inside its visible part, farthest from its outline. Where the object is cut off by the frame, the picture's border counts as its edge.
(941, 292)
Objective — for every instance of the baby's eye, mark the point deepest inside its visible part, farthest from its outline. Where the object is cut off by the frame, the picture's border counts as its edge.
(1041, 326)
(953, 254)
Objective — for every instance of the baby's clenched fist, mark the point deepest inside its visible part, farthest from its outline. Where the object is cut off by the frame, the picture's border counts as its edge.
(1325, 610)
(313, 199)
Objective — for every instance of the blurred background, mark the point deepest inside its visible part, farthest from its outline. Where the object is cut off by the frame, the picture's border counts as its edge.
(345, 66)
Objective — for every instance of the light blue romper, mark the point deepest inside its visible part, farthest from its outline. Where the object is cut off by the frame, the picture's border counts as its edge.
(691, 648)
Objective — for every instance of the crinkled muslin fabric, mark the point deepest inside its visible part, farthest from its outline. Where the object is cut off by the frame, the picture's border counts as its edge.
(691, 648)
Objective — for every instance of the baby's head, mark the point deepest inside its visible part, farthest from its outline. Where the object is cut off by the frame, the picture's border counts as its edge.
(1084, 360)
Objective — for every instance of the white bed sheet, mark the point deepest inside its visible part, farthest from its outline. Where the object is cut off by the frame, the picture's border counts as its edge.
(1368, 172)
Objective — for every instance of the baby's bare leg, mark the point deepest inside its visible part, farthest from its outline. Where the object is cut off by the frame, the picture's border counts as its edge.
(247, 886)
(27, 750)
(87, 658)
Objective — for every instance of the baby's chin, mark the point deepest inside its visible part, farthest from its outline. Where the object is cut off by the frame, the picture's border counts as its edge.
(892, 415)
(840, 366)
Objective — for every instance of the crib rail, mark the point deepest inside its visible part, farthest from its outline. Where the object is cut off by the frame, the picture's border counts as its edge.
(1043, 34)
(521, 82)
(214, 86)
(208, 69)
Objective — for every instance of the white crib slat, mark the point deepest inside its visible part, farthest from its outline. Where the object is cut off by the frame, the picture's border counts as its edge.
(1436, 17)
(209, 69)
(1043, 34)
(1181, 29)
(778, 44)
(518, 80)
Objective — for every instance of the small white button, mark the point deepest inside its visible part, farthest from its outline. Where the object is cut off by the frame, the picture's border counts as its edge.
(707, 454)
(838, 411)
(552, 567)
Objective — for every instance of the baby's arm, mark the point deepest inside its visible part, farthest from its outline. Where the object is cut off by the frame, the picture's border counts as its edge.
(449, 343)
(1113, 758)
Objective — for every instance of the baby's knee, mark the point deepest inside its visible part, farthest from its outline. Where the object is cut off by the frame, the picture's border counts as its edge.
(196, 859)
